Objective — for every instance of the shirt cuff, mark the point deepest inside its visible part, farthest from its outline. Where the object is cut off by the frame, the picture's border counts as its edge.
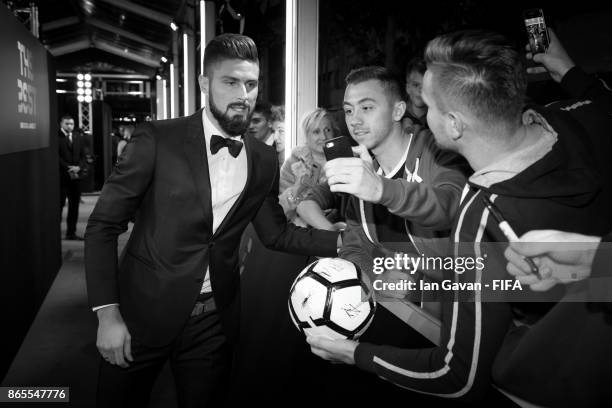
(95, 309)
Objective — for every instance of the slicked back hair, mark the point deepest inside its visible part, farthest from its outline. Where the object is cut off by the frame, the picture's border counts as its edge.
(66, 117)
(390, 82)
(229, 46)
(479, 71)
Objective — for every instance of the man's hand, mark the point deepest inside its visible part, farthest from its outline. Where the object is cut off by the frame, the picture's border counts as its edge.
(561, 257)
(555, 60)
(336, 351)
(73, 172)
(398, 278)
(338, 226)
(114, 340)
(355, 176)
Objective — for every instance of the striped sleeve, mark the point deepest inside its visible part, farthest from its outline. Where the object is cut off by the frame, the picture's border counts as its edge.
(472, 332)
(459, 368)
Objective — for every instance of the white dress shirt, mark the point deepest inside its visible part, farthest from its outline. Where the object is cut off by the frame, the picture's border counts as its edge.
(228, 177)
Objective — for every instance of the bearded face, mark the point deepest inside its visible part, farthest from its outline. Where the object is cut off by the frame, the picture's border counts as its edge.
(231, 87)
(234, 119)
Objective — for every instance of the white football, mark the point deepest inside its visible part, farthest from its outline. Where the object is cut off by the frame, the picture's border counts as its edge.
(330, 298)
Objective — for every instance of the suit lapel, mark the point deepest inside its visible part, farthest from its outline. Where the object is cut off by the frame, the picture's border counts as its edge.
(250, 155)
(194, 148)
(64, 141)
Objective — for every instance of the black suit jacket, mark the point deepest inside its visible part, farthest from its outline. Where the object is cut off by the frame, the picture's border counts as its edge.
(162, 179)
(70, 155)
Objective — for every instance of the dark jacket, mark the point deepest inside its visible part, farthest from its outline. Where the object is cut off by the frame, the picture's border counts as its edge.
(162, 179)
(427, 198)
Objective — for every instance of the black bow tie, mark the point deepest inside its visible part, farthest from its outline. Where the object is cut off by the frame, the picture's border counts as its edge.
(233, 146)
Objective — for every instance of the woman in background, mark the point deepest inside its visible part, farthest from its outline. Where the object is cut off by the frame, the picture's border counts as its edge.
(303, 169)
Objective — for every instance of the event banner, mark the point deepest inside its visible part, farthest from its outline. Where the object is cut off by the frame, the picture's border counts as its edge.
(24, 85)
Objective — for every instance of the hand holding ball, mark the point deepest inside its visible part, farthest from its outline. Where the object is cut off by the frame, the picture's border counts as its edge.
(330, 298)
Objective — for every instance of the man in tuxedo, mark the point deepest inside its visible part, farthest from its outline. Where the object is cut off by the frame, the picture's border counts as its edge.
(71, 150)
(193, 185)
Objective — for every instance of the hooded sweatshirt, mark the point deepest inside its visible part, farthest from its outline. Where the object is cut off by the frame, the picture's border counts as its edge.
(544, 353)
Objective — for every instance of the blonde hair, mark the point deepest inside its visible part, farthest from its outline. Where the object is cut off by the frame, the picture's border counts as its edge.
(312, 119)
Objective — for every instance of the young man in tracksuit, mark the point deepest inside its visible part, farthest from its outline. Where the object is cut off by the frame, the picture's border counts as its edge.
(416, 179)
(539, 168)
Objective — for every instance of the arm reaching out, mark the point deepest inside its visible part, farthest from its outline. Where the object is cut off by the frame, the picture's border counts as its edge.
(558, 263)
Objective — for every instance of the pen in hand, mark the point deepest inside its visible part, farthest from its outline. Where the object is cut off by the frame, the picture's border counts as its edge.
(508, 231)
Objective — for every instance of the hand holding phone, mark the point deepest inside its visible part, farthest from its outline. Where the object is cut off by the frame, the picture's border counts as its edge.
(354, 175)
(337, 147)
(555, 61)
(537, 32)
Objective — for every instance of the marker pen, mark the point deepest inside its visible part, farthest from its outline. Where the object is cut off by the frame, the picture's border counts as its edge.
(508, 231)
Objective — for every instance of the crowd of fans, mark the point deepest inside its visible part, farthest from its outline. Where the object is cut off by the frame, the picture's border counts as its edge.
(456, 132)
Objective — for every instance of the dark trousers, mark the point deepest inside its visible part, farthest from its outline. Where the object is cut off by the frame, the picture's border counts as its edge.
(200, 358)
(70, 189)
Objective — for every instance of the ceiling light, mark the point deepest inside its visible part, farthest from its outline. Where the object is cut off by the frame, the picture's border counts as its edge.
(173, 26)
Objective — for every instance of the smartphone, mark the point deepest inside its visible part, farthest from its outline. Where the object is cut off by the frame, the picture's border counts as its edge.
(337, 147)
(536, 30)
